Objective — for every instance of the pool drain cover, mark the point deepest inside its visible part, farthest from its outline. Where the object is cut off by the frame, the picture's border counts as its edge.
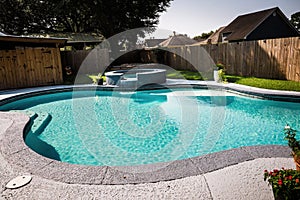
(19, 181)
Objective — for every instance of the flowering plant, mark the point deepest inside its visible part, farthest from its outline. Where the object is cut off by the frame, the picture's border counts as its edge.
(220, 66)
(290, 136)
(285, 183)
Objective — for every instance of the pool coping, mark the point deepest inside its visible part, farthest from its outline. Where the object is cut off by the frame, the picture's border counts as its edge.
(19, 155)
(171, 83)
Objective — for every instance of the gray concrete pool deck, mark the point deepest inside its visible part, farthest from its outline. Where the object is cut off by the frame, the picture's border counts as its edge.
(232, 174)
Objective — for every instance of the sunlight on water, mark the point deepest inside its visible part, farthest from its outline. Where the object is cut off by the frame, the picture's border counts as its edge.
(131, 128)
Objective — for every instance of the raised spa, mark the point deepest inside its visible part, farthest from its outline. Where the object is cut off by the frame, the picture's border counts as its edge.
(135, 77)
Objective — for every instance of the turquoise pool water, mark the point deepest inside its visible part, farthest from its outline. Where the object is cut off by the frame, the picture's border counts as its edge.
(132, 128)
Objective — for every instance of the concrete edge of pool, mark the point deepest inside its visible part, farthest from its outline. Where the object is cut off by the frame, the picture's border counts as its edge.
(16, 152)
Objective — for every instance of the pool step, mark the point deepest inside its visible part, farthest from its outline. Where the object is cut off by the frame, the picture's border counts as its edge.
(40, 122)
(29, 113)
(128, 83)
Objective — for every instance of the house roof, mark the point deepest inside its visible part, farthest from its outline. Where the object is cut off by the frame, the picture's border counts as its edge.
(243, 25)
(177, 40)
(213, 39)
(153, 42)
(25, 39)
(216, 36)
(74, 37)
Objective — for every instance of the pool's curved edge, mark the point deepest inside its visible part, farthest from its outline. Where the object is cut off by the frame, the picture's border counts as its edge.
(22, 158)
(253, 92)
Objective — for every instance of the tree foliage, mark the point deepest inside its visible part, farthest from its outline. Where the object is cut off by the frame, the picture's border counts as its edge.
(27, 16)
(295, 20)
(203, 36)
(107, 17)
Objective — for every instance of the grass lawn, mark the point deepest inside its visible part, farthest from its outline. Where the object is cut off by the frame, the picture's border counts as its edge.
(82, 79)
(180, 74)
(250, 81)
(265, 83)
(92, 78)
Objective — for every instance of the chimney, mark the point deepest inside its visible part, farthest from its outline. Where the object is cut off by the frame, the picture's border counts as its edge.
(174, 33)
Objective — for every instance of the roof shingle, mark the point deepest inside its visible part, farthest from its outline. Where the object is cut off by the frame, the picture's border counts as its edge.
(177, 40)
(243, 25)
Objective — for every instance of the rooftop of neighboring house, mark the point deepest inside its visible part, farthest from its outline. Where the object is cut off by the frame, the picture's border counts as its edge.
(10, 39)
(244, 25)
(75, 37)
(177, 40)
(152, 42)
(215, 38)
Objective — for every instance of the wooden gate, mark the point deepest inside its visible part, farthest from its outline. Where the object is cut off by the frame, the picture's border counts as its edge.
(28, 67)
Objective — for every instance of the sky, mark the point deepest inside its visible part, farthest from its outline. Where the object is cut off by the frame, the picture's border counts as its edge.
(194, 17)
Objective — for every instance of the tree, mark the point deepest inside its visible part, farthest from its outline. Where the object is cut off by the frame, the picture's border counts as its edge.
(107, 17)
(27, 16)
(295, 20)
(203, 36)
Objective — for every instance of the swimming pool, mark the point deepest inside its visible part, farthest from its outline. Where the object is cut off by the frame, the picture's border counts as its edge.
(131, 128)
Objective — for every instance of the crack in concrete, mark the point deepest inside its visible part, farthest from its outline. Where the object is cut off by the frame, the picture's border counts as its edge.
(104, 175)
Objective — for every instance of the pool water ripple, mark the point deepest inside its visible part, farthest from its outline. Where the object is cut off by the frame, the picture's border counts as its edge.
(133, 128)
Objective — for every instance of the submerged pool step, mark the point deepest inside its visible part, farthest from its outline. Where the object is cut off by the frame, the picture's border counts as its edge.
(29, 113)
(40, 122)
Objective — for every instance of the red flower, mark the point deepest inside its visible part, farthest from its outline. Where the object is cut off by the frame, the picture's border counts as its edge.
(266, 171)
(279, 182)
(290, 177)
(275, 170)
(297, 180)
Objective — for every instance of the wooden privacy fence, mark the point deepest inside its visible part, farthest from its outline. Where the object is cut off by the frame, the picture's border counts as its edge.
(30, 66)
(272, 58)
(86, 61)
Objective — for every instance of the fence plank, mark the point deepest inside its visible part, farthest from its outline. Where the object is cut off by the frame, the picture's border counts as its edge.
(21, 60)
(57, 69)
